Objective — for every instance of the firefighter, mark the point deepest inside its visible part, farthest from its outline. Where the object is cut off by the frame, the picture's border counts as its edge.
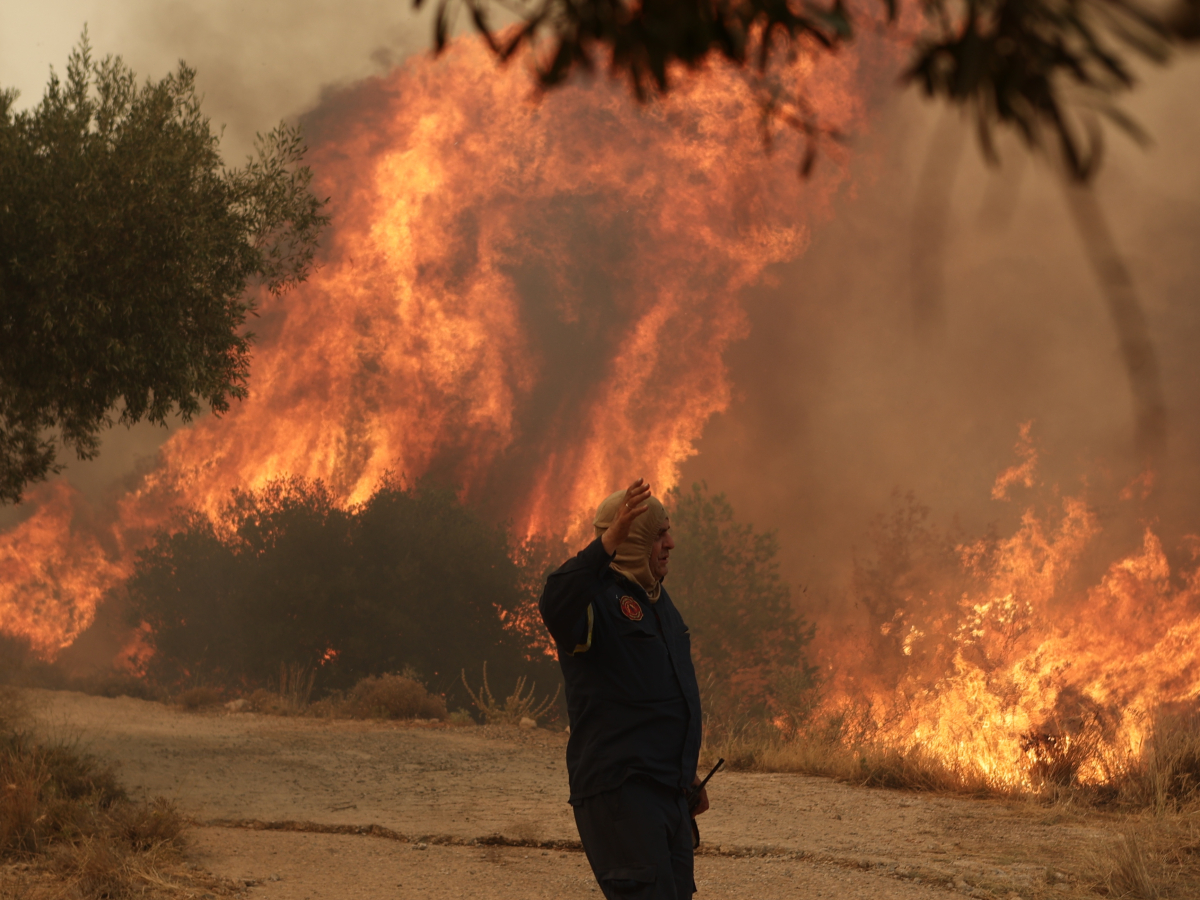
(633, 701)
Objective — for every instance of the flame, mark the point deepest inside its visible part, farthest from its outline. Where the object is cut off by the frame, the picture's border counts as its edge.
(527, 296)
(53, 571)
(1026, 668)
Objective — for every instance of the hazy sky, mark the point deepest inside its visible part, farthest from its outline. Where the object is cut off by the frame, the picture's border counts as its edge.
(256, 61)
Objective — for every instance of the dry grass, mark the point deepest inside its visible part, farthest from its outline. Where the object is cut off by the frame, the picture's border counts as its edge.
(292, 695)
(1167, 777)
(66, 819)
(860, 762)
(1164, 779)
(112, 684)
(1154, 857)
(14, 710)
(1157, 853)
(374, 697)
(516, 706)
(296, 685)
(392, 697)
(1152, 803)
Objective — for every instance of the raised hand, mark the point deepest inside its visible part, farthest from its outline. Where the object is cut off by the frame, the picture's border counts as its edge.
(632, 506)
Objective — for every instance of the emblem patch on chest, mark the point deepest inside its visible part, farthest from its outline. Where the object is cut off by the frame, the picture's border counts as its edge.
(632, 609)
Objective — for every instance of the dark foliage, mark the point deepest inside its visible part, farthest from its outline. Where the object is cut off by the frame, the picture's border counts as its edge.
(911, 576)
(748, 638)
(126, 252)
(409, 578)
(16, 656)
(1042, 67)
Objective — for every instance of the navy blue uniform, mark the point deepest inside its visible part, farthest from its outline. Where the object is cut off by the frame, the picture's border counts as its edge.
(634, 708)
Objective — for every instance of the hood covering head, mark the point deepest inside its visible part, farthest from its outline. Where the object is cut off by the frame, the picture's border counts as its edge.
(632, 558)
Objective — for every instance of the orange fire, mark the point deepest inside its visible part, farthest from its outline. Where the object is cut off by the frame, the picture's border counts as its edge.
(526, 296)
(1005, 676)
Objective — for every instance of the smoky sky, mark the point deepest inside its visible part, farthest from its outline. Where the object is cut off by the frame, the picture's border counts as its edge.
(256, 62)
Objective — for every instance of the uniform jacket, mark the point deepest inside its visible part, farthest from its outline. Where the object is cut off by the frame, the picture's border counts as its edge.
(632, 696)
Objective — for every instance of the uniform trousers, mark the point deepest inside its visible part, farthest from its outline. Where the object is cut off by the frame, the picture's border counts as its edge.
(638, 839)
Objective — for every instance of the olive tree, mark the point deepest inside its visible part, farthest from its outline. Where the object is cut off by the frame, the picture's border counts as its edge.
(129, 258)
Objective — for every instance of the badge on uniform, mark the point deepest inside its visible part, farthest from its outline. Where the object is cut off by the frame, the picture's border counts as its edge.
(631, 608)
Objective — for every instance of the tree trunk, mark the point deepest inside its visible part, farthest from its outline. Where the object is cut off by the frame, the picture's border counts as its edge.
(1129, 320)
(931, 222)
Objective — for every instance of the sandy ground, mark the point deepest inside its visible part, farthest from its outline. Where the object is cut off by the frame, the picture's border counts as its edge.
(431, 811)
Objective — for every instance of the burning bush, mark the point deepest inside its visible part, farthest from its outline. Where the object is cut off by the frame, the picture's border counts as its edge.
(285, 576)
(1039, 658)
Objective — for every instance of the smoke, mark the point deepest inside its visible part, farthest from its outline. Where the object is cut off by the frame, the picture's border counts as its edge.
(839, 396)
(259, 62)
(256, 62)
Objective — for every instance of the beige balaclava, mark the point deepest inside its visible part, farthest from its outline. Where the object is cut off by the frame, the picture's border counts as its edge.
(632, 558)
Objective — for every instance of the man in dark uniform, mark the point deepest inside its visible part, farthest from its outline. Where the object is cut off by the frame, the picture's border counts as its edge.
(633, 701)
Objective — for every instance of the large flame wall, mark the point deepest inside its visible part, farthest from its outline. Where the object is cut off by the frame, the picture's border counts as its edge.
(1017, 657)
(527, 297)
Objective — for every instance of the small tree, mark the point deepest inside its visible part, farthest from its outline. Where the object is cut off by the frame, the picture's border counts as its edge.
(126, 253)
(748, 638)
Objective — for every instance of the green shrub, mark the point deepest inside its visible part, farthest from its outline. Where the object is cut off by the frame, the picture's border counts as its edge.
(286, 576)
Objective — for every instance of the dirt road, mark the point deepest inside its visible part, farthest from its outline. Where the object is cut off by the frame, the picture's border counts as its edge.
(307, 809)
